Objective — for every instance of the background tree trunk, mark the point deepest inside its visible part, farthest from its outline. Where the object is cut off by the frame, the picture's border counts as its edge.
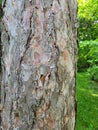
(39, 48)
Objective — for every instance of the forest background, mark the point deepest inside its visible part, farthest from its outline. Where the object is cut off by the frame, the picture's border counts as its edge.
(87, 76)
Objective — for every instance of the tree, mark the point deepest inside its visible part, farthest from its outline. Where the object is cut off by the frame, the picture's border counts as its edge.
(0, 35)
(39, 49)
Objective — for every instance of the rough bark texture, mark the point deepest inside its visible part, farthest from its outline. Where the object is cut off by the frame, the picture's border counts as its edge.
(39, 48)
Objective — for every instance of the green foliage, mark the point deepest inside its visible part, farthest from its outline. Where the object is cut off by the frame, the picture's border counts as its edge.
(88, 19)
(82, 56)
(87, 29)
(87, 102)
(88, 9)
(87, 55)
(93, 71)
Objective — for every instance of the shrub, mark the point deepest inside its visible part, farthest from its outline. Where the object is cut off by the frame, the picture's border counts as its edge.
(93, 71)
(87, 55)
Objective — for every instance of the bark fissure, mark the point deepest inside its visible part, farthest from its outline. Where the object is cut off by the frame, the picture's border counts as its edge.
(29, 37)
(4, 3)
(26, 46)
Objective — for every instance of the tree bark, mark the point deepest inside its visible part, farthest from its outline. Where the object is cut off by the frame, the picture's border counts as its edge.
(39, 50)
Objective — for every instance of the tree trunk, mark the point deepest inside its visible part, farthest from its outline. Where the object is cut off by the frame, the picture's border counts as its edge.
(39, 48)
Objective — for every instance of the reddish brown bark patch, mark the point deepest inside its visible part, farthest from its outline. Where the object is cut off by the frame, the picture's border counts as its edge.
(65, 54)
(36, 58)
